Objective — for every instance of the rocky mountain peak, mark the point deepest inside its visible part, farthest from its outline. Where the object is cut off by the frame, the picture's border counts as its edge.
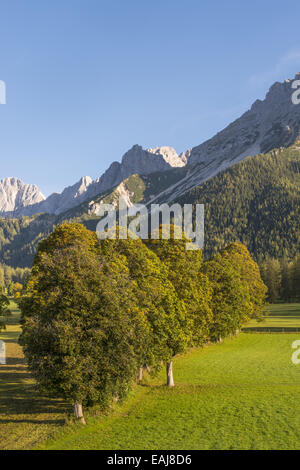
(137, 161)
(169, 155)
(16, 195)
(270, 123)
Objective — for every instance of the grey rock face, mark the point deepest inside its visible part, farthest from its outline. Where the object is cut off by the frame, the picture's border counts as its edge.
(170, 156)
(270, 123)
(70, 197)
(57, 203)
(184, 156)
(15, 195)
(136, 160)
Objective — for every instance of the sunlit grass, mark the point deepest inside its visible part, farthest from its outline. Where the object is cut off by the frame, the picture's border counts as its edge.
(279, 316)
(241, 394)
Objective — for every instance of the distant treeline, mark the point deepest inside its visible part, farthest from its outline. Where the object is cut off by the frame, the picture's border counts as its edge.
(9, 276)
(282, 279)
(255, 202)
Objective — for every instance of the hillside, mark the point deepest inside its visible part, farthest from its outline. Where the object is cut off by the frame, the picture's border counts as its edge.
(19, 238)
(256, 201)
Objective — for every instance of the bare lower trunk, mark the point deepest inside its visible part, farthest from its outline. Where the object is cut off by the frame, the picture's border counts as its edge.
(140, 376)
(148, 369)
(220, 339)
(170, 380)
(78, 412)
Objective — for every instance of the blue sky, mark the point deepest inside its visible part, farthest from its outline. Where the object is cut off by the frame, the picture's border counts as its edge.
(87, 79)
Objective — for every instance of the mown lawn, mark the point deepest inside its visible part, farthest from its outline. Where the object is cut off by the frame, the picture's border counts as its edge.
(242, 394)
(26, 418)
(286, 316)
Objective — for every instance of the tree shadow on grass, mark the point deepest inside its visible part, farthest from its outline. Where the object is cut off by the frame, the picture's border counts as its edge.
(151, 386)
(28, 402)
(14, 361)
(8, 339)
(4, 368)
(19, 395)
(57, 422)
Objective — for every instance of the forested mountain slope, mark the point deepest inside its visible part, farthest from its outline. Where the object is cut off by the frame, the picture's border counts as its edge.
(256, 201)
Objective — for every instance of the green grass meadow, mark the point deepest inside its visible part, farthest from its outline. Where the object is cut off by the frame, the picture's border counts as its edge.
(241, 394)
(279, 317)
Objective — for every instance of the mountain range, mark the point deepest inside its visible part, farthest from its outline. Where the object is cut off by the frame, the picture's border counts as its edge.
(18, 198)
(243, 175)
(271, 123)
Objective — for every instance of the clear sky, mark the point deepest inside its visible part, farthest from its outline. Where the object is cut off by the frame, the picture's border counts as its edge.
(87, 79)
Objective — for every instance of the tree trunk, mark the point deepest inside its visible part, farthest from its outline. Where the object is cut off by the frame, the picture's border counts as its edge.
(140, 376)
(78, 412)
(148, 369)
(220, 339)
(2, 352)
(170, 380)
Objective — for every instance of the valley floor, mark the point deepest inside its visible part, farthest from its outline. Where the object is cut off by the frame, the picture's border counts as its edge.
(279, 318)
(241, 394)
(26, 418)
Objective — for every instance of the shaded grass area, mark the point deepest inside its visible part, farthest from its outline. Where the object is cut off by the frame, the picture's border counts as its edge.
(242, 394)
(26, 418)
(279, 317)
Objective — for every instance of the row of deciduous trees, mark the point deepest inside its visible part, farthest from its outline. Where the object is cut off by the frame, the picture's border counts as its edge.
(94, 313)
